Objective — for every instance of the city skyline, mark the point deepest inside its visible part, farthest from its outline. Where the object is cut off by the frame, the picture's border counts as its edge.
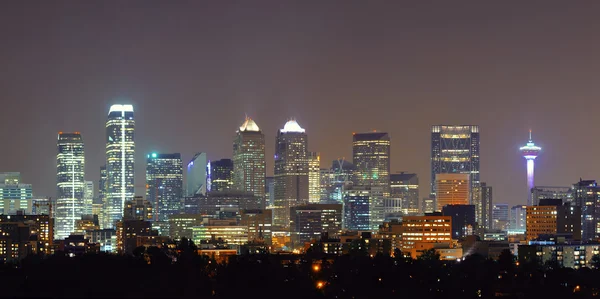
(476, 76)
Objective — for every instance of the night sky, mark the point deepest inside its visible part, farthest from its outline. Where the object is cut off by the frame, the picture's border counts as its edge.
(193, 69)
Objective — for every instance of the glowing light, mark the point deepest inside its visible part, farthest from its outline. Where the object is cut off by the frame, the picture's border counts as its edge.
(292, 127)
(120, 108)
(249, 126)
(320, 284)
(316, 268)
(153, 155)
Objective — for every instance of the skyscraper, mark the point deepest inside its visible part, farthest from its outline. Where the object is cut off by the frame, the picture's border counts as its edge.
(405, 187)
(70, 165)
(500, 216)
(455, 149)
(221, 175)
(197, 175)
(518, 219)
(164, 181)
(314, 177)
(291, 172)
(371, 157)
(102, 198)
(452, 189)
(482, 200)
(530, 152)
(14, 195)
(120, 150)
(249, 170)
(586, 194)
(88, 197)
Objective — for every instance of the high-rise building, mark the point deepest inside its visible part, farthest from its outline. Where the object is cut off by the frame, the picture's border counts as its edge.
(197, 175)
(364, 207)
(259, 224)
(249, 166)
(164, 181)
(291, 172)
(425, 229)
(269, 191)
(530, 151)
(308, 222)
(545, 192)
(138, 209)
(120, 160)
(88, 197)
(518, 219)
(14, 196)
(428, 205)
(335, 180)
(454, 149)
(371, 157)
(70, 166)
(103, 199)
(463, 219)
(552, 217)
(314, 177)
(221, 175)
(405, 187)
(482, 200)
(500, 216)
(586, 195)
(452, 189)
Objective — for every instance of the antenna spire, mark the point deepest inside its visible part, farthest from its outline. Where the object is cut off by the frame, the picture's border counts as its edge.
(529, 134)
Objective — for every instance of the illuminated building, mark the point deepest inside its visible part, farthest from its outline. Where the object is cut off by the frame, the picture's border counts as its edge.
(518, 219)
(39, 225)
(314, 177)
(259, 223)
(429, 205)
(482, 199)
(371, 157)
(128, 232)
(221, 175)
(21, 235)
(269, 191)
(335, 180)
(530, 152)
(452, 189)
(291, 172)
(87, 222)
(585, 195)
(230, 233)
(500, 216)
(164, 181)
(553, 218)
(102, 198)
(215, 202)
(416, 230)
(138, 209)
(544, 192)
(363, 208)
(404, 194)
(573, 256)
(309, 221)
(463, 219)
(180, 226)
(105, 238)
(40, 206)
(70, 167)
(197, 175)
(249, 170)
(14, 196)
(88, 197)
(455, 150)
(120, 160)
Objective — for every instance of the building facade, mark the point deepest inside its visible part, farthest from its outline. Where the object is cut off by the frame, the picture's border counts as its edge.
(138, 209)
(585, 195)
(314, 177)
(500, 216)
(120, 162)
(197, 175)
(454, 149)
(308, 222)
(291, 172)
(482, 200)
(371, 157)
(518, 219)
(463, 219)
(452, 189)
(425, 229)
(70, 167)
(14, 195)
(164, 181)
(249, 166)
(405, 188)
(221, 175)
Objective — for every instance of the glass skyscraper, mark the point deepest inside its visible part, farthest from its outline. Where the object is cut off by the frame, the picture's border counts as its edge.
(291, 172)
(454, 149)
(70, 165)
(120, 150)
(371, 157)
(102, 216)
(314, 177)
(221, 175)
(14, 196)
(197, 175)
(164, 181)
(249, 170)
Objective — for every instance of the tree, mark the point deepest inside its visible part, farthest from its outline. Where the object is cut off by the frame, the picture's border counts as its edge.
(429, 255)
(506, 260)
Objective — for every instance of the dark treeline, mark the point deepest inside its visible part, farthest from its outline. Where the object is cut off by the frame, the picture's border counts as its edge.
(152, 273)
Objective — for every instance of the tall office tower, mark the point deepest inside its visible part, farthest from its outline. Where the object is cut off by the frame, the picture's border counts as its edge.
(14, 196)
(120, 158)
(102, 199)
(482, 200)
(500, 216)
(138, 209)
(463, 219)
(452, 189)
(197, 175)
(314, 177)
(221, 175)
(88, 197)
(530, 151)
(70, 166)
(291, 172)
(455, 149)
(552, 217)
(428, 205)
(405, 186)
(249, 170)
(544, 192)
(308, 222)
(164, 181)
(270, 191)
(335, 180)
(585, 195)
(326, 184)
(364, 207)
(371, 157)
(518, 219)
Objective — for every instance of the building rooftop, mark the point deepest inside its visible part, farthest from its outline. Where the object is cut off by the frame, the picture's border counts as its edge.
(370, 136)
(249, 126)
(292, 127)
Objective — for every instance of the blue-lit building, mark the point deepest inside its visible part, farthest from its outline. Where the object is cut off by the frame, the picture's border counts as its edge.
(164, 181)
(197, 175)
(14, 196)
(356, 209)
